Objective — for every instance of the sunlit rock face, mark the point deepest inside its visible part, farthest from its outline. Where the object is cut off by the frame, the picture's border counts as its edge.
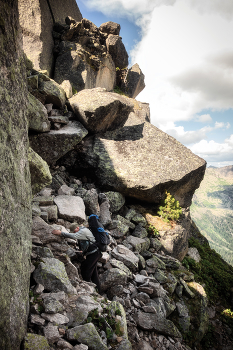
(141, 161)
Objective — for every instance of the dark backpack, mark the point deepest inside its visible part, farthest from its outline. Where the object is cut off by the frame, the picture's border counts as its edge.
(101, 236)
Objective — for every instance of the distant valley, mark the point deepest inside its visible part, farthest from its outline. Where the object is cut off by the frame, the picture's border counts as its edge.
(212, 210)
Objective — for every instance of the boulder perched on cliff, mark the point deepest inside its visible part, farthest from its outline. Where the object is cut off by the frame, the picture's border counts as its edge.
(99, 110)
(135, 81)
(110, 28)
(141, 161)
(54, 144)
(117, 50)
(40, 173)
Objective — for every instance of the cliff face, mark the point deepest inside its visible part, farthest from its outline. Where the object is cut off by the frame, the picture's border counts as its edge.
(36, 19)
(15, 206)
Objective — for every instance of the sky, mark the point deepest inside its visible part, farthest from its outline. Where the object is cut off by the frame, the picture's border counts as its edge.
(185, 50)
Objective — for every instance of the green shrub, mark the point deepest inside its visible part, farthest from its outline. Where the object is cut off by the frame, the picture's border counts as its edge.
(212, 271)
(170, 208)
(152, 230)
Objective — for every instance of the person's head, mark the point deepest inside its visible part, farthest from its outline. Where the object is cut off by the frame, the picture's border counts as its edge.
(74, 227)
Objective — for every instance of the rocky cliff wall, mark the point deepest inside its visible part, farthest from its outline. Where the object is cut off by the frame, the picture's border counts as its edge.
(36, 19)
(15, 207)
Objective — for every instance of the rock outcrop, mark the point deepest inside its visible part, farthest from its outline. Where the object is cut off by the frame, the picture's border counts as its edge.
(141, 161)
(15, 199)
(37, 19)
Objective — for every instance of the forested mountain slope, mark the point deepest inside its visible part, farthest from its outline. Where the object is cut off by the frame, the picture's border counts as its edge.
(212, 210)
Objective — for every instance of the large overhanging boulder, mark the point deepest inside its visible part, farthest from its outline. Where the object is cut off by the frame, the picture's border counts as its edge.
(53, 145)
(99, 110)
(141, 161)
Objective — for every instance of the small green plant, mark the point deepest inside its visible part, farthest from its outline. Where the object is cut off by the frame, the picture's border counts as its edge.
(170, 208)
(152, 230)
(118, 90)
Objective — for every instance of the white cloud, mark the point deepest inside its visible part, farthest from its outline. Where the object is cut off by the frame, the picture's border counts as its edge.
(130, 8)
(190, 137)
(204, 118)
(187, 58)
(214, 152)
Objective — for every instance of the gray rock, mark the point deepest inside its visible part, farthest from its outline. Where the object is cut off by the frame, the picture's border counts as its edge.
(62, 344)
(110, 28)
(139, 244)
(139, 219)
(120, 265)
(52, 305)
(171, 283)
(53, 93)
(59, 119)
(116, 200)
(182, 309)
(91, 202)
(113, 277)
(40, 173)
(43, 252)
(55, 318)
(51, 333)
(71, 208)
(156, 262)
(179, 290)
(160, 276)
(67, 87)
(80, 347)
(99, 110)
(143, 345)
(135, 81)
(35, 210)
(123, 254)
(35, 342)
(105, 214)
(51, 210)
(44, 231)
(141, 173)
(169, 261)
(166, 305)
(142, 109)
(36, 319)
(153, 322)
(87, 334)
(117, 50)
(84, 70)
(155, 243)
(187, 290)
(38, 116)
(52, 275)
(84, 304)
(184, 323)
(53, 145)
(60, 296)
(66, 190)
(194, 254)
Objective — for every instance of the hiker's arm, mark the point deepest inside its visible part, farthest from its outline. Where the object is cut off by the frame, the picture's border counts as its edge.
(64, 234)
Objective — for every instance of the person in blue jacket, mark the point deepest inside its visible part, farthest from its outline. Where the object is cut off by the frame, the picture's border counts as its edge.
(92, 255)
